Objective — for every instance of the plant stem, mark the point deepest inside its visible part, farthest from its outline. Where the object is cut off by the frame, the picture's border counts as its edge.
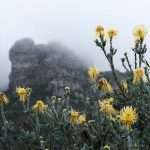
(24, 107)
(67, 101)
(140, 60)
(37, 124)
(28, 103)
(109, 57)
(129, 142)
(140, 53)
(116, 79)
(111, 61)
(135, 59)
(127, 59)
(123, 64)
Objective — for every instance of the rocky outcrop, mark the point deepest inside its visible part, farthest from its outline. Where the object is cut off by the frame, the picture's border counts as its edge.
(47, 68)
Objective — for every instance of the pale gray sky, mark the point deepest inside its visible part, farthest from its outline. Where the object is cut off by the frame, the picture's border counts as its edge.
(72, 22)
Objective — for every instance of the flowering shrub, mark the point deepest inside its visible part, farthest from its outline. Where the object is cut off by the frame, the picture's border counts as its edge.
(119, 119)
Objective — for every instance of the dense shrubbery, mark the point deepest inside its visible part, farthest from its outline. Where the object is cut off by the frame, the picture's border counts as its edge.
(118, 120)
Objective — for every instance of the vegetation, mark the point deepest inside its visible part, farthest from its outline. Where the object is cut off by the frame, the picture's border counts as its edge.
(119, 119)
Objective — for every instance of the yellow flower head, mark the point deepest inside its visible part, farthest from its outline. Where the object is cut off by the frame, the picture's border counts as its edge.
(82, 119)
(140, 32)
(124, 86)
(99, 30)
(105, 86)
(93, 73)
(128, 116)
(74, 116)
(39, 106)
(112, 32)
(106, 106)
(22, 93)
(138, 75)
(3, 98)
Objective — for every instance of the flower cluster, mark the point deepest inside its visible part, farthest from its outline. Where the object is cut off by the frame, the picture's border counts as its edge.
(102, 83)
(127, 115)
(110, 33)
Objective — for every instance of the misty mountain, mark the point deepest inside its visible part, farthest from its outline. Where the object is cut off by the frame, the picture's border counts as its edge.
(48, 68)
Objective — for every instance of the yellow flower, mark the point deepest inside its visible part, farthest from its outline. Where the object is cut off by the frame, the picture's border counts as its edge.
(128, 116)
(39, 106)
(3, 98)
(22, 93)
(112, 32)
(93, 73)
(138, 75)
(139, 32)
(106, 106)
(74, 116)
(124, 86)
(99, 30)
(105, 86)
(82, 119)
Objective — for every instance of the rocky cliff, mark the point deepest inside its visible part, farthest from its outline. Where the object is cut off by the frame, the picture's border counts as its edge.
(47, 68)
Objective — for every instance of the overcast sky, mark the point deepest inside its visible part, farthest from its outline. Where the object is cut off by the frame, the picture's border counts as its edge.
(72, 22)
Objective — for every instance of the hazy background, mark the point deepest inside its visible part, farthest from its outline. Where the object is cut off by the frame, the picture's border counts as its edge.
(72, 22)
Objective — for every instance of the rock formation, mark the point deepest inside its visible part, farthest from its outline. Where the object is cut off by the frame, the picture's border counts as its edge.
(47, 68)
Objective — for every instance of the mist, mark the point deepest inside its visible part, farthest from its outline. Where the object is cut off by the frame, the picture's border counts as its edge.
(71, 23)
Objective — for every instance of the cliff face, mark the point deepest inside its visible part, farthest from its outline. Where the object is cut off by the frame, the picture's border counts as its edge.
(46, 68)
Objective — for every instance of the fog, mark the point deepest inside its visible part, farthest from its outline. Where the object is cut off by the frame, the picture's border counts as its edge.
(71, 22)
